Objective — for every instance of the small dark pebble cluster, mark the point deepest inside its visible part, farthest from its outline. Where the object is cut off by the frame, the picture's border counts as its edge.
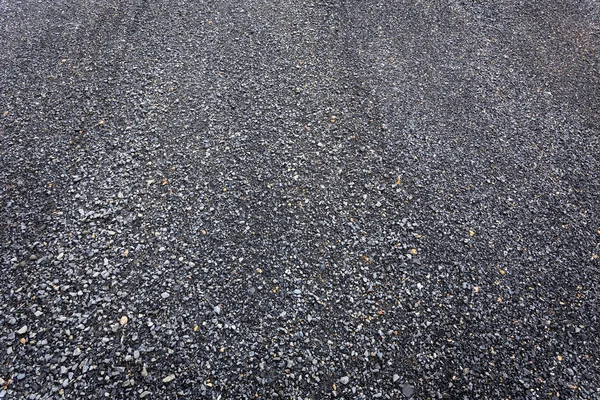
(299, 199)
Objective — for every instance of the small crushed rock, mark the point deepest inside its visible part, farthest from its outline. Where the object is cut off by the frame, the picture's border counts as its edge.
(226, 199)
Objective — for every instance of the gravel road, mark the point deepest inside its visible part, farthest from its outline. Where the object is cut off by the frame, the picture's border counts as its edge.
(299, 199)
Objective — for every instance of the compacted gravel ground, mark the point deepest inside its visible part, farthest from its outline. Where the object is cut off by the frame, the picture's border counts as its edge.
(299, 199)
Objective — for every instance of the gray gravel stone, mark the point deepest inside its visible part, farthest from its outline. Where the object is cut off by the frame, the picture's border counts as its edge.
(408, 390)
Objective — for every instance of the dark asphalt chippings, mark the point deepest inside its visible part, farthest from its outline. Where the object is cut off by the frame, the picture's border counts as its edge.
(300, 199)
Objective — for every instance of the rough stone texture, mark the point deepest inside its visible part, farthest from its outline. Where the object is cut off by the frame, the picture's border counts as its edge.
(402, 196)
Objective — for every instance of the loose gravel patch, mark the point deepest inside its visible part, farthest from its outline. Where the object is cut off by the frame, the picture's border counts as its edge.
(299, 199)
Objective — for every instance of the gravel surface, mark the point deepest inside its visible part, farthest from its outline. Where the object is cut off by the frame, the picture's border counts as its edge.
(299, 199)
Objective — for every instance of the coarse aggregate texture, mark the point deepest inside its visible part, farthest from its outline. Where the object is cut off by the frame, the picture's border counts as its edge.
(299, 199)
